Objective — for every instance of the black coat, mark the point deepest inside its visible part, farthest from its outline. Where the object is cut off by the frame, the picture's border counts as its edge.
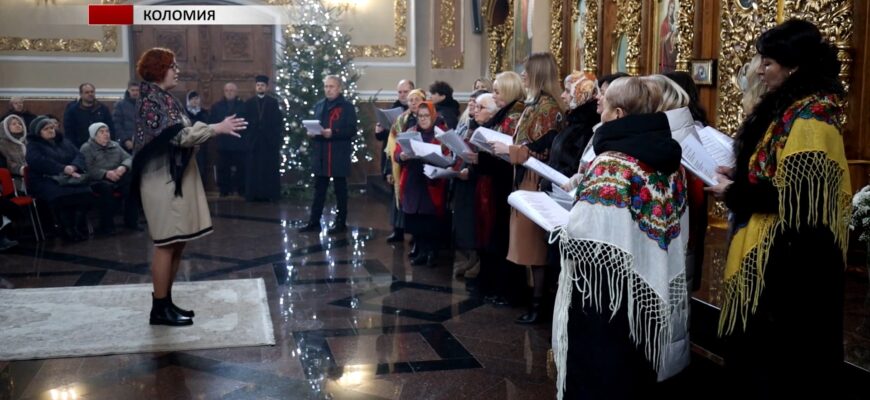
(264, 138)
(221, 110)
(449, 110)
(569, 144)
(331, 157)
(77, 119)
(48, 158)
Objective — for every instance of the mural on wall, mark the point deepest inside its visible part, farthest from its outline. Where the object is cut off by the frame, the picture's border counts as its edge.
(522, 13)
(665, 48)
(620, 55)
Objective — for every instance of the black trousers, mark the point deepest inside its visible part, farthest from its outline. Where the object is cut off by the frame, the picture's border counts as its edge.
(109, 204)
(321, 183)
(229, 181)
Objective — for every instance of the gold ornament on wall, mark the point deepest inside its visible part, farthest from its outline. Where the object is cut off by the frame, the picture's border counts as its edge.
(628, 13)
(107, 44)
(556, 32)
(400, 47)
(590, 35)
(686, 31)
(742, 23)
(447, 48)
(497, 35)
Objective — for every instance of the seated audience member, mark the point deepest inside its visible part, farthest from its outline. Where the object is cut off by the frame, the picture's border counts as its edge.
(13, 146)
(16, 107)
(107, 164)
(57, 178)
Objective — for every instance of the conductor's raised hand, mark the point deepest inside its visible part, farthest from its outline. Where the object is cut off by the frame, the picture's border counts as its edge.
(230, 126)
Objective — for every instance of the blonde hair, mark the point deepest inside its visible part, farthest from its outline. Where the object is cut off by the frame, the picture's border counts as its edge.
(487, 83)
(487, 102)
(633, 95)
(543, 78)
(673, 95)
(418, 92)
(751, 84)
(510, 86)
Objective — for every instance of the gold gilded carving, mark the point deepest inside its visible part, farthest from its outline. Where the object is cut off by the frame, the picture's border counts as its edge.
(496, 34)
(458, 63)
(107, 44)
(556, 32)
(686, 37)
(740, 28)
(590, 34)
(446, 36)
(400, 47)
(628, 23)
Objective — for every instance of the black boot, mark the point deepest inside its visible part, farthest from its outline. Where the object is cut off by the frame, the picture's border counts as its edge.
(415, 251)
(534, 314)
(162, 313)
(179, 310)
(81, 224)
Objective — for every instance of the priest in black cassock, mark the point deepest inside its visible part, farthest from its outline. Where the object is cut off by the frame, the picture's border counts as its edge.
(264, 141)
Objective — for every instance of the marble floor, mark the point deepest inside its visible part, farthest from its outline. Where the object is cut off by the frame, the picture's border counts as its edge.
(352, 319)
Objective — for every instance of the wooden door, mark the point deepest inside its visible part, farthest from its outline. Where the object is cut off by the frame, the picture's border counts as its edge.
(209, 57)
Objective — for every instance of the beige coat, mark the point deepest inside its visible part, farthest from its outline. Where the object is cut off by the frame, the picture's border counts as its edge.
(170, 218)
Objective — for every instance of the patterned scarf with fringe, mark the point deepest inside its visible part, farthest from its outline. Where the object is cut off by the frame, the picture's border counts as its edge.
(803, 156)
(628, 230)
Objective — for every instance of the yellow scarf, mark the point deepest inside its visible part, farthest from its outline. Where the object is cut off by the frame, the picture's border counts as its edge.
(812, 159)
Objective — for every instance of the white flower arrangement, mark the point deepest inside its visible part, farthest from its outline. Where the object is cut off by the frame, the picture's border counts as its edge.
(861, 214)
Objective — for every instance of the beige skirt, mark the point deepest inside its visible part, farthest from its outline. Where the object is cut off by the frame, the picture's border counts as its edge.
(174, 218)
(528, 241)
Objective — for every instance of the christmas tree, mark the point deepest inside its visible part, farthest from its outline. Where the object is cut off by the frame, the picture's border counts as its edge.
(312, 49)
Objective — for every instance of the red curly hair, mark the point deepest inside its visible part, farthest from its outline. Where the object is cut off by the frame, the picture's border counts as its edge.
(154, 63)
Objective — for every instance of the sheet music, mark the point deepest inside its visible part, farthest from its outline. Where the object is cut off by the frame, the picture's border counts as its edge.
(565, 199)
(433, 172)
(698, 161)
(546, 171)
(719, 145)
(539, 208)
(313, 127)
(387, 117)
(405, 139)
(453, 142)
(430, 153)
(482, 136)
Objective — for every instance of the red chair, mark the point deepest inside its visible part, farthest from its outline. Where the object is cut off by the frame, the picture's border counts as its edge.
(22, 200)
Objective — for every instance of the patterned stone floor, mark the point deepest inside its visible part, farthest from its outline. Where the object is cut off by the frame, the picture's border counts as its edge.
(352, 318)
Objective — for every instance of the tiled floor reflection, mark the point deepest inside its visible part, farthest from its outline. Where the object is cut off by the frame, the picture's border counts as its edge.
(353, 320)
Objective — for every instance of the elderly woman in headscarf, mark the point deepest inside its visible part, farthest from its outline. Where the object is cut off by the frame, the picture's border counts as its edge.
(166, 176)
(57, 177)
(13, 145)
(107, 164)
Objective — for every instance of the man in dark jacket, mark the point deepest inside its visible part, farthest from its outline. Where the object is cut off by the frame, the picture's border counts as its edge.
(331, 152)
(448, 108)
(232, 151)
(124, 116)
(84, 112)
(264, 141)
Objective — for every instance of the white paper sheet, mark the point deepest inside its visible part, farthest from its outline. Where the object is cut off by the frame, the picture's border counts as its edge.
(430, 153)
(405, 139)
(546, 171)
(482, 136)
(719, 145)
(387, 117)
(698, 161)
(453, 142)
(313, 127)
(565, 199)
(539, 208)
(433, 172)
